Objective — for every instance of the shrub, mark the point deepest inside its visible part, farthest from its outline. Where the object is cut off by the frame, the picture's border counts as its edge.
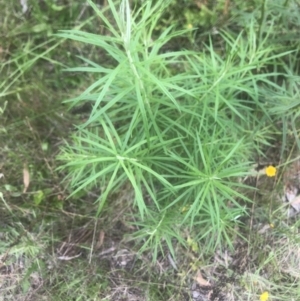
(180, 127)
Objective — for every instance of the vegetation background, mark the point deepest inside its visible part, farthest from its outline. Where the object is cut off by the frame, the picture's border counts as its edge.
(130, 131)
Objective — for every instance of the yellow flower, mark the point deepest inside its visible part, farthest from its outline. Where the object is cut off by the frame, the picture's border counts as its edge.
(190, 26)
(264, 296)
(271, 171)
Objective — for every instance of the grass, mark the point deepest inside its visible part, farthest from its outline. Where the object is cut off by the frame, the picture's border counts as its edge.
(153, 184)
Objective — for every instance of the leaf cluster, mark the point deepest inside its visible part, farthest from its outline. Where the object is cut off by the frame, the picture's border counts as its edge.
(181, 127)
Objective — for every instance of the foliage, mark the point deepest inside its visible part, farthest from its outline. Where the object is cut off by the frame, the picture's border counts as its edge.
(179, 126)
(174, 128)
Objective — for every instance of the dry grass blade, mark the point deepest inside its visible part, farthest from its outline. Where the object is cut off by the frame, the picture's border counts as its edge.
(200, 280)
(26, 178)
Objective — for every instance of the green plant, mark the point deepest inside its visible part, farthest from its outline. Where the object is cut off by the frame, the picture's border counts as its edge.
(242, 82)
(179, 126)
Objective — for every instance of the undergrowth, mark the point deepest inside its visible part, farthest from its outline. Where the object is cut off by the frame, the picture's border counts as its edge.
(182, 127)
(171, 103)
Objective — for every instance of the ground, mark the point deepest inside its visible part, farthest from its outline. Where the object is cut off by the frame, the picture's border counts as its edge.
(55, 248)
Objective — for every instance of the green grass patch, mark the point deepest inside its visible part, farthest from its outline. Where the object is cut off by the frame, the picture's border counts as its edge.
(142, 184)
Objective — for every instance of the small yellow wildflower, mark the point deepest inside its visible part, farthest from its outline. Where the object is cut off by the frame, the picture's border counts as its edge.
(264, 296)
(190, 26)
(271, 171)
(272, 225)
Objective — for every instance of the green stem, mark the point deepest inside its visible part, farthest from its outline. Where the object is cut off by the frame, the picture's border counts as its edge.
(262, 19)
